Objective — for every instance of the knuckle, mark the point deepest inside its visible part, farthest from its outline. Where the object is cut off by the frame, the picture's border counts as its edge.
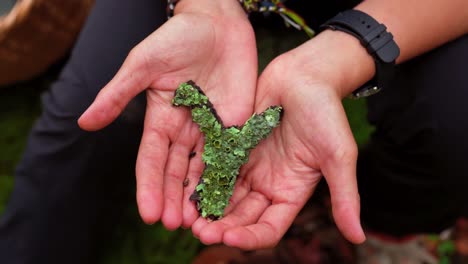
(258, 197)
(144, 188)
(173, 175)
(352, 152)
(153, 128)
(134, 53)
(173, 194)
(278, 65)
(275, 235)
(344, 153)
(137, 58)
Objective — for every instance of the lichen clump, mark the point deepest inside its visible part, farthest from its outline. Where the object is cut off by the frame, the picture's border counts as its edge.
(226, 148)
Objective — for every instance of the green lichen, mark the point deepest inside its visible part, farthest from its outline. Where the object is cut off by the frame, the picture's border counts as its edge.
(226, 148)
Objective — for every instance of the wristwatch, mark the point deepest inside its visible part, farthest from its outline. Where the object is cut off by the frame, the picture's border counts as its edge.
(378, 42)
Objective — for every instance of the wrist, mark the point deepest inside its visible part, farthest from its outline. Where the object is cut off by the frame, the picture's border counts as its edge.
(218, 8)
(336, 58)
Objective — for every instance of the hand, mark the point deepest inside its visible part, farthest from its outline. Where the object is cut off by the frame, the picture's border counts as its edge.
(215, 47)
(313, 139)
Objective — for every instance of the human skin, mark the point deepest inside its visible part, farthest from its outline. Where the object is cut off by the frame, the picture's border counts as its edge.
(314, 139)
(214, 46)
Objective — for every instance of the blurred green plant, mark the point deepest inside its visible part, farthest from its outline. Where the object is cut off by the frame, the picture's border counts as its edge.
(136, 242)
(6, 185)
(19, 107)
(356, 111)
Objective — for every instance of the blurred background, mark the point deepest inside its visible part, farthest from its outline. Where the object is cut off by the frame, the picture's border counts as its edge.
(31, 57)
(6, 6)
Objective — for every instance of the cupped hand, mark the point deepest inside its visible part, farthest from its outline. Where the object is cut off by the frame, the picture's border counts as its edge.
(313, 140)
(215, 49)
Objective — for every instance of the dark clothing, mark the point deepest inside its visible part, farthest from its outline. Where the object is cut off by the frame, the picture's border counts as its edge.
(413, 175)
(68, 185)
(317, 12)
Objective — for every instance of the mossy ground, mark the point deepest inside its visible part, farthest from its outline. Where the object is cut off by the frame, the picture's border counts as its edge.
(133, 241)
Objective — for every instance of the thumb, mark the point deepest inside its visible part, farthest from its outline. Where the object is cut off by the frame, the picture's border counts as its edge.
(130, 80)
(340, 172)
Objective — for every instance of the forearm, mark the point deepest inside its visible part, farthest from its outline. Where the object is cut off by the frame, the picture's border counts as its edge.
(417, 25)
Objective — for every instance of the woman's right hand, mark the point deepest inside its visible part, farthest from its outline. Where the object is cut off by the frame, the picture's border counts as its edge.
(210, 42)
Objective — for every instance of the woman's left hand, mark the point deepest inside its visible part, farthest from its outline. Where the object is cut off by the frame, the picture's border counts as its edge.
(313, 139)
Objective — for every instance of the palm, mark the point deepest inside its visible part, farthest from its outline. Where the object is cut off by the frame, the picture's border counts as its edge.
(313, 139)
(221, 57)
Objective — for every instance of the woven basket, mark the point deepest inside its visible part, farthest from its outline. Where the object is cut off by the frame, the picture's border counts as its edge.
(36, 33)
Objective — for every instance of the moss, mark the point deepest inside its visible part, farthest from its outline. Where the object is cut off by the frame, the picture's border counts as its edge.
(226, 148)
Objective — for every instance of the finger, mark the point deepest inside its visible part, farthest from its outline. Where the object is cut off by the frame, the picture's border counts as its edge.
(271, 226)
(340, 173)
(153, 155)
(149, 172)
(247, 212)
(130, 80)
(198, 226)
(189, 210)
(175, 174)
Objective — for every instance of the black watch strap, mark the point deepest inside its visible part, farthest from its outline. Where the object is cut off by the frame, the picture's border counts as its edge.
(378, 42)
